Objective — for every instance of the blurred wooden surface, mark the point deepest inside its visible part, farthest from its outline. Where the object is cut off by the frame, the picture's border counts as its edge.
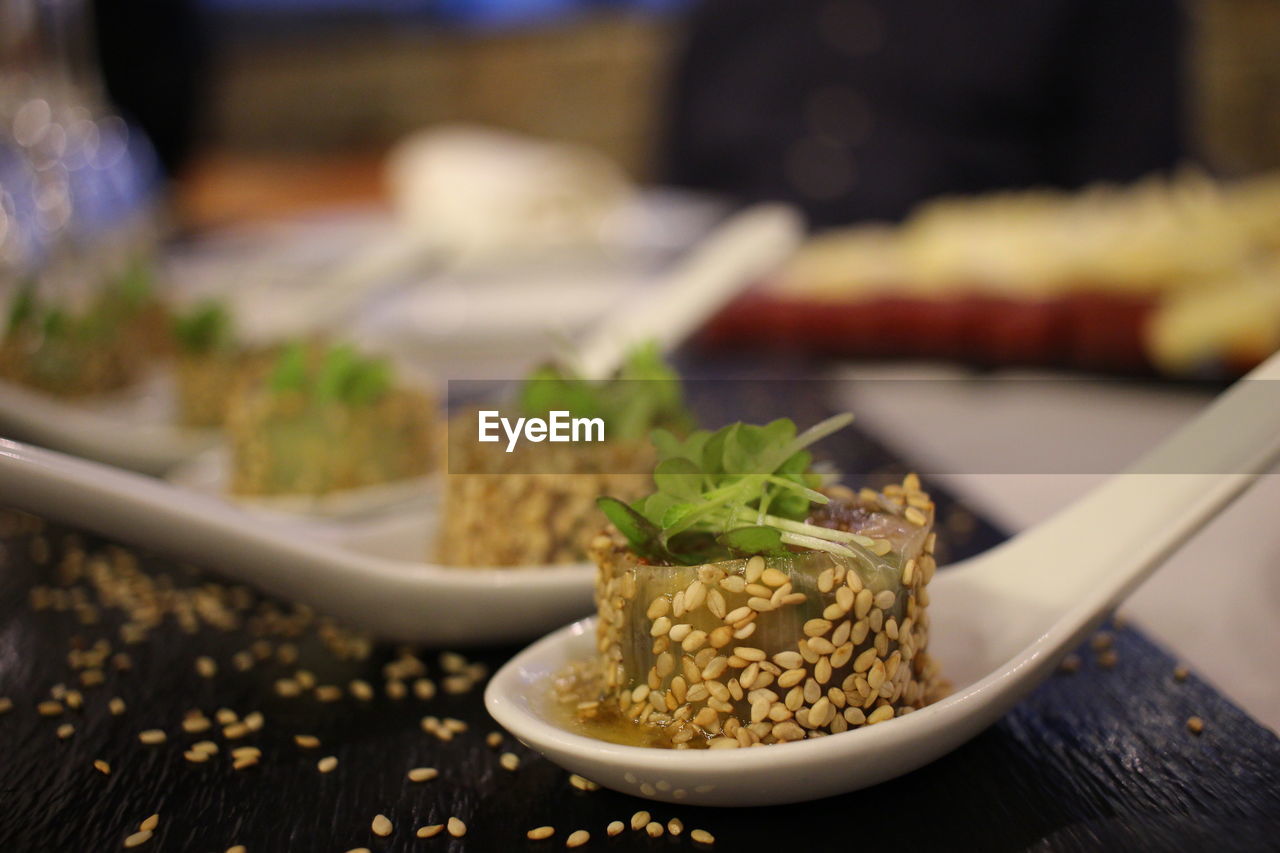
(1096, 759)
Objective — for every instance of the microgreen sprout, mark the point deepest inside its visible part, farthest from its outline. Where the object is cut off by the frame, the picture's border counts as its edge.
(341, 374)
(206, 328)
(741, 490)
(646, 393)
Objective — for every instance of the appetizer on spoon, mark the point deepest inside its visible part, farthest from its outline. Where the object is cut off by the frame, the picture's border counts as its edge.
(999, 623)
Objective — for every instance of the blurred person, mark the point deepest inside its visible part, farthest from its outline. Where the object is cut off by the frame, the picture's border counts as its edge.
(859, 109)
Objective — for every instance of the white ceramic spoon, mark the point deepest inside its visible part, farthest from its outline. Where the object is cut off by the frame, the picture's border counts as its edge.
(1000, 623)
(373, 577)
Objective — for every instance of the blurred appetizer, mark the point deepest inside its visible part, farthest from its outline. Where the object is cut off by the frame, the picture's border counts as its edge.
(210, 366)
(327, 419)
(99, 343)
(743, 601)
(535, 505)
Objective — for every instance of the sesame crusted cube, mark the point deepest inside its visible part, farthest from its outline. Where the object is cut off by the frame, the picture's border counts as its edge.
(284, 443)
(759, 650)
(208, 382)
(503, 510)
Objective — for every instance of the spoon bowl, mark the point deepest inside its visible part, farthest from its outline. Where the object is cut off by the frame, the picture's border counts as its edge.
(371, 574)
(999, 624)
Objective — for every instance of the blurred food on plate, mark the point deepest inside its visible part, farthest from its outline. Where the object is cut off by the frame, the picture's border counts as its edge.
(82, 341)
(537, 508)
(327, 418)
(1179, 275)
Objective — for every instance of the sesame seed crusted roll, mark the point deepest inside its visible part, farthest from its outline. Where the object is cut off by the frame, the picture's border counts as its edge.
(547, 517)
(769, 650)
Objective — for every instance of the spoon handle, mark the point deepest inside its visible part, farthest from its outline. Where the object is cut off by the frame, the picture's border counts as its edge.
(749, 245)
(1112, 539)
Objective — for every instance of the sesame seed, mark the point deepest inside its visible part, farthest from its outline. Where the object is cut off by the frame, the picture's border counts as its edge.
(138, 838)
(1107, 659)
(225, 716)
(206, 666)
(150, 824)
(195, 756)
(540, 833)
(1071, 663)
(1195, 725)
(193, 725)
(327, 763)
(102, 767)
(675, 826)
(244, 763)
(65, 731)
(509, 761)
(381, 825)
(360, 689)
(456, 827)
(577, 838)
(423, 774)
(494, 739)
(1180, 673)
(639, 820)
(6, 704)
(654, 829)
(49, 708)
(1101, 641)
(701, 836)
(306, 741)
(116, 706)
(879, 715)
(239, 848)
(206, 746)
(359, 850)
(615, 828)
(582, 783)
(328, 693)
(430, 830)
(152, 736)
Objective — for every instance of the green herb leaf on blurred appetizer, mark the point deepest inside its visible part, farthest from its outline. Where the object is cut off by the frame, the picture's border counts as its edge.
(290, 371)
(23, 308)
(135, 285)
(743, 489)
(646, 393)
(204, 329)
(340, 375)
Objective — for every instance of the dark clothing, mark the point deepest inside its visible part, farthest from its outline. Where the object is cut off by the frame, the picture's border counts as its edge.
(859, 109)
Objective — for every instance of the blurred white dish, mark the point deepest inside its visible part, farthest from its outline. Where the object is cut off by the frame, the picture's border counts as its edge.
(134, 428)
(369, 575)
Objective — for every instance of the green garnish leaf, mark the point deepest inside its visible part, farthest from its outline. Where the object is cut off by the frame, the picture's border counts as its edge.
(743, 489)
(645, 394)
(633, 525)
(290, 372)
(339, 375)
(204, 329)
(757, 539)
(22, 309)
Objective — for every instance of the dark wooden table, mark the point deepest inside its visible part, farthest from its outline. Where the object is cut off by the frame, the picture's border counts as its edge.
(1096, 759)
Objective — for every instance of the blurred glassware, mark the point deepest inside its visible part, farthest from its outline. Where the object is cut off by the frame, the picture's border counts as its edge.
(78, 184)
